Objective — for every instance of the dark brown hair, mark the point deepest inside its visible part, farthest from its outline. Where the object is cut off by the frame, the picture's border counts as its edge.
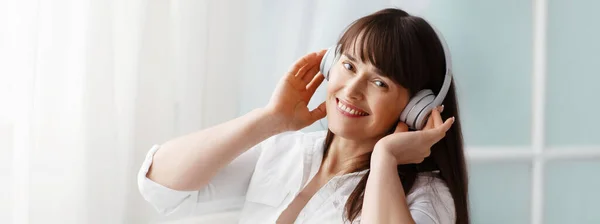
(407, 50)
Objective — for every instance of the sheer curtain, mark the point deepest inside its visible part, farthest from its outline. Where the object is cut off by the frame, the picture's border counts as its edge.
(87, 86)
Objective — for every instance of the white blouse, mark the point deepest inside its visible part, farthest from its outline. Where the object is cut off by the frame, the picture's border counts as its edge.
(264, 180)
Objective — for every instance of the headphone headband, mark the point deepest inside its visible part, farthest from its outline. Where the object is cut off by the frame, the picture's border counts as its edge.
(448, 61)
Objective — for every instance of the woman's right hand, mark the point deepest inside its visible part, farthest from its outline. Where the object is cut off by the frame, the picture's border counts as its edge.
(289, 101)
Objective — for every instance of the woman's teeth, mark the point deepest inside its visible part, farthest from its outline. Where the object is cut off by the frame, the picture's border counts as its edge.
(350, 111)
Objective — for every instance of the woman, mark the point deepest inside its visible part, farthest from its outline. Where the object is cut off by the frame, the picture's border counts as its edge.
(367, 167)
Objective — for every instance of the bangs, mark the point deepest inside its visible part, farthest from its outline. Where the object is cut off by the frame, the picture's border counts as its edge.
(392, 44)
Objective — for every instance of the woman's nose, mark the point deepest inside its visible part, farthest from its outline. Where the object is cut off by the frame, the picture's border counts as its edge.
(354, 89)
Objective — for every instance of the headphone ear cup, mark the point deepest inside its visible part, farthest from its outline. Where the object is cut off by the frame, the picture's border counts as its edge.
(327, 62)
(417, 109)
(421, 119)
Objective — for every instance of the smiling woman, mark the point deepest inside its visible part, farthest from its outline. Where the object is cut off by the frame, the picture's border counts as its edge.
(377, 72)
(367, 167)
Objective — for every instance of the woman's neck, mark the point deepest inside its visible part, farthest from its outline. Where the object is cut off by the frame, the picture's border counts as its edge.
(346, 155)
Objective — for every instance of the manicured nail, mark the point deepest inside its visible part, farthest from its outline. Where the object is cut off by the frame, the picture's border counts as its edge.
(453, 119)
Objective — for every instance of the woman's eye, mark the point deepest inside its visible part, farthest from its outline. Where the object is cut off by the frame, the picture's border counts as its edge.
(380, 83)
(348, 66)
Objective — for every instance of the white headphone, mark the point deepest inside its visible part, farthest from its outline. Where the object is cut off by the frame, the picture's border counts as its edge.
(418, 109)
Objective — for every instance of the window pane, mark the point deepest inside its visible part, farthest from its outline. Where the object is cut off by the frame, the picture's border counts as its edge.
(573, 76)
(500, 193)
(572, 192)
(492, 56)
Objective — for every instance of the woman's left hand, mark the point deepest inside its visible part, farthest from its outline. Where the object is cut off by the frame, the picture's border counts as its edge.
(414, 146)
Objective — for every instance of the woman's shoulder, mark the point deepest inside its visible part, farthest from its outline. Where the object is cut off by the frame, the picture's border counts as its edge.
(431, 197)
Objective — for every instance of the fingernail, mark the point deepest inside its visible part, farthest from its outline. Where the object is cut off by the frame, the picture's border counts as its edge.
(453, 120)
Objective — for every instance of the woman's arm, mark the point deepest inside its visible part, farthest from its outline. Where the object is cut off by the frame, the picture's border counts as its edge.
(384, 200)
(190, 161)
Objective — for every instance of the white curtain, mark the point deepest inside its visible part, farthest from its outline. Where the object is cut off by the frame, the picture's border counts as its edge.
(87, 86)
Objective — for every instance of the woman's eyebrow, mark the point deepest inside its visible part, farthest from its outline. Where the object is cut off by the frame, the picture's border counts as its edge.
(350, 57)
(375, 69)
(378, 71)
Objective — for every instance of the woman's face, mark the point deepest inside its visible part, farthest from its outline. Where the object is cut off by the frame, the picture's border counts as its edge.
(361, 103)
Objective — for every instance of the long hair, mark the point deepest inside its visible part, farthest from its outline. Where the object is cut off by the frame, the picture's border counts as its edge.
(407, 50)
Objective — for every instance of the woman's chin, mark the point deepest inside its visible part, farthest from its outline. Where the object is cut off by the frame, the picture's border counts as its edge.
(347, 131)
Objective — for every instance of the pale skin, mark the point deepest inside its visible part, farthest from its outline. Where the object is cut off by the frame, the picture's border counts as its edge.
(353, 82)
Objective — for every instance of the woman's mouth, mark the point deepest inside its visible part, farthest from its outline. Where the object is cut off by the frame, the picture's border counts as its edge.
(349, 110)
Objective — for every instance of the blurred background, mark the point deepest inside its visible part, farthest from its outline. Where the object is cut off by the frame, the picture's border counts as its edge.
(88, 86)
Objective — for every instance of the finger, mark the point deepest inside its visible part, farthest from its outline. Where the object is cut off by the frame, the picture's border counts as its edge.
(437, 118)
(433, 136)
(312, 59)
(298, 65)
(310, 74)
(319, 112)
(439, 132)
(447, 124)
(430, 120)
(315, 83)
(302, 70)
(426, 153)
(401, 127)
(429, 124)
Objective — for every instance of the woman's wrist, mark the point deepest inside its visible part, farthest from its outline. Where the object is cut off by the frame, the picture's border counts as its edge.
(382, 158)
(273, 120)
